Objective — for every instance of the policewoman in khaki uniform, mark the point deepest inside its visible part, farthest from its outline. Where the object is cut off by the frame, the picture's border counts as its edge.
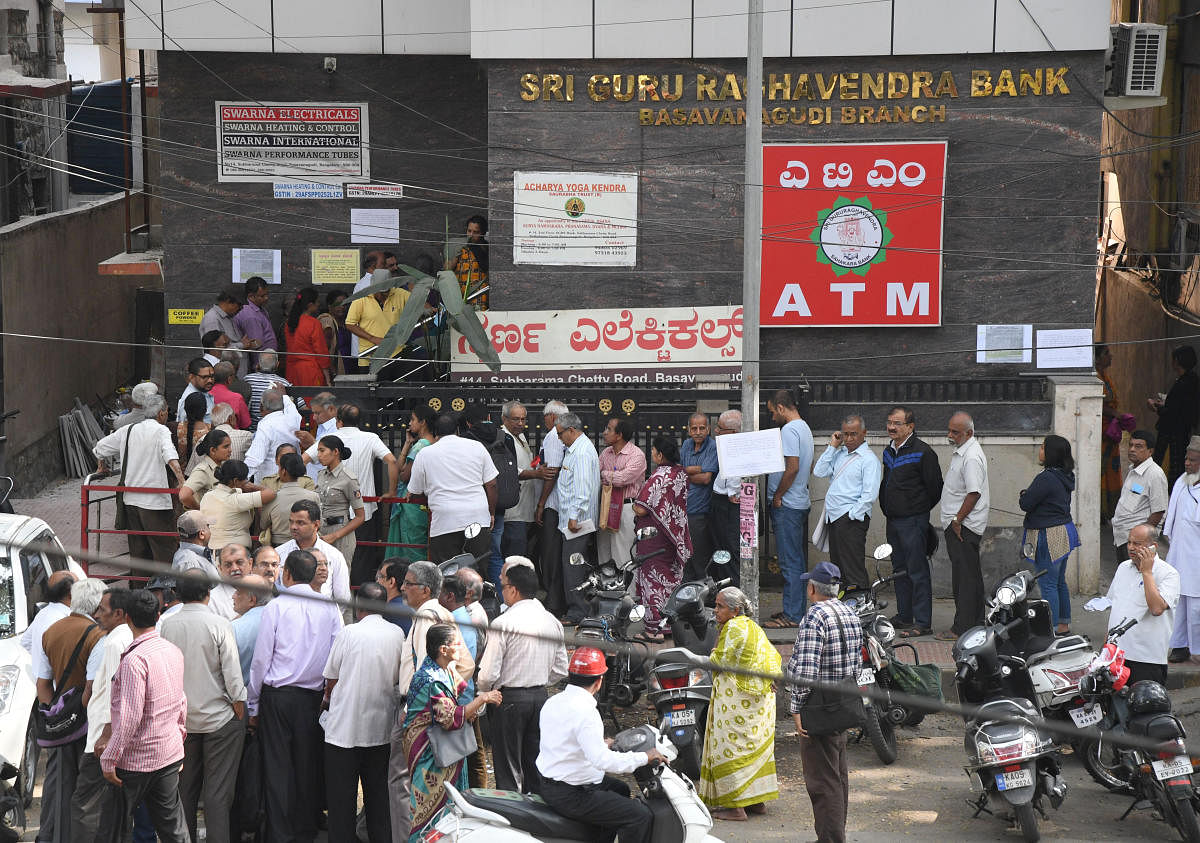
(340, 496)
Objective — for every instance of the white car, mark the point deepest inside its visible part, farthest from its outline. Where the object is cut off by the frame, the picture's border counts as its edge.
(23, 577)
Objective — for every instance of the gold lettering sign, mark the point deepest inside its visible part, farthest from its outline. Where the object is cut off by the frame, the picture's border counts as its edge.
(846, 97)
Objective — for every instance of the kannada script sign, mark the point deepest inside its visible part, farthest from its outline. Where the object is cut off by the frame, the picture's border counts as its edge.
(298, 141)
(575, 219)
(679, 345)
(852, 234)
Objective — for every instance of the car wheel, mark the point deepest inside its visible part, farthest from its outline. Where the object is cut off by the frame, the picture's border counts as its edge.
(29, 763)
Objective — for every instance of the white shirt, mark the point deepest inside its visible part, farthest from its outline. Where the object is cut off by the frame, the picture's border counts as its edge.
(967, 473)
(531, 490)
(572, 748)
(220, 601)
(313, 467)
(1182, 524)
(365, 661)
(99, 711)
(365, 447)
(451, 473)
(338, 584)
(150, 449)
(480, 619)
(1143, 493)
(517, 659)
(31, 640)
(181, 414)
(1150, 638)
(167, 614)
(553, 451)
(274, 429)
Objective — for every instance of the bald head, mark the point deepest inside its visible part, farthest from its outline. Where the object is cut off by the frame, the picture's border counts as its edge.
(472, 583)
(247, 595)
(58, 587)
(960, 428)
(1143, 534)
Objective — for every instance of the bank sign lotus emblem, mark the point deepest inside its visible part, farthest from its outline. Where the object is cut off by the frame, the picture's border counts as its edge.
(851, 236)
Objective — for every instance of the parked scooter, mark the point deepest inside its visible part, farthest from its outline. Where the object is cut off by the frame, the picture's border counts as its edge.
(680, 692)
(12, 803)
(1162, 779)
(1006, 758)
(497, 816)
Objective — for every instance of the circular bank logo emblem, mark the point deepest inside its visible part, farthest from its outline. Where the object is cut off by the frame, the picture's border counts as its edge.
(851, 236)
(575, 207)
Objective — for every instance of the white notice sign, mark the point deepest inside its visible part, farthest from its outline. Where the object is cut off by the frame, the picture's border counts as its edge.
(263, 263)
(306, 190)
(374, 225)
(575, 219)
(374, 191)
(1003, 343)
(750, 454)
(1065, 349)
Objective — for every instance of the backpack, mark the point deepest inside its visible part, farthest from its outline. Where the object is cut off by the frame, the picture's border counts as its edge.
(508, 485)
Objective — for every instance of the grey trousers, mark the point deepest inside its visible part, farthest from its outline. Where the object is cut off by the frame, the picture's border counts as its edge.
(49, 811)
(159, 789)
(398, 794)
(210, 768)
(57, 793)
(96, 804)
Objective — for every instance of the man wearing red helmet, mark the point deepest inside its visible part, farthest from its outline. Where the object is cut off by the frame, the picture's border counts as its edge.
(574, 757)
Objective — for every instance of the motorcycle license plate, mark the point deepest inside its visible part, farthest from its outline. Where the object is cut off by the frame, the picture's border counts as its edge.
(1017, 778)
(1181, 765)
(1087, 715)
(866, 676)
(687, 717)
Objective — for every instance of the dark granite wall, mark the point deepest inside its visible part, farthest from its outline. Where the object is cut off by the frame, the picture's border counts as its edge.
(1021, 176)
(203, 219)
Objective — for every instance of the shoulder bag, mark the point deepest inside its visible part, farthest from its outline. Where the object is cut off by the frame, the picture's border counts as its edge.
(451, 745)
(64, 718)
(820, 534)
(121, 520)
(828, 712)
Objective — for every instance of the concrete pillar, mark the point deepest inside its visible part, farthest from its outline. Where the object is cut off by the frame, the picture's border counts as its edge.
(1077, 402)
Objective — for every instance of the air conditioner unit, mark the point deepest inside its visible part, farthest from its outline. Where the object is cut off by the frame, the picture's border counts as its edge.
(1138, 52)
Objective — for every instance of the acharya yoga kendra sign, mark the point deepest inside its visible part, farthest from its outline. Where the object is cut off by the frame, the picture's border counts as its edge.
(669, 345)
(852, 234)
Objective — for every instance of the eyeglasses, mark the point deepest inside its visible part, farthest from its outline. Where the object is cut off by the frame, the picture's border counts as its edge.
(407, 583)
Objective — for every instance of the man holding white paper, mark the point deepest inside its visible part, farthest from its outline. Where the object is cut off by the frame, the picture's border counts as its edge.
(578, 507)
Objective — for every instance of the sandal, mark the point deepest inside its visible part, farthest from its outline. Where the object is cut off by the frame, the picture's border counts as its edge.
(781, 622)
(945, 635)
(915, 632)
(649, 638)
(777, 615)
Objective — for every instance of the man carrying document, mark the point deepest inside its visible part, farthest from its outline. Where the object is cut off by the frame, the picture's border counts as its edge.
(578, 507)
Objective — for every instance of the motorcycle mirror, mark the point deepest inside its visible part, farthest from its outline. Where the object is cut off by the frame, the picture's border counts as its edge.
(647, 533)
(721, 557)
(456, 563)
(882, 552)
(576, 559)
(472, 530)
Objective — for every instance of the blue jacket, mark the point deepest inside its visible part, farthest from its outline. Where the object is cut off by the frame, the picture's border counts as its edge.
(1047, 501)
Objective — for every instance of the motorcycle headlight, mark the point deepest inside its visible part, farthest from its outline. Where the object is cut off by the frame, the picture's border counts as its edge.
(884, 630)
(1006, 595)
(637, 613)
(9, 678)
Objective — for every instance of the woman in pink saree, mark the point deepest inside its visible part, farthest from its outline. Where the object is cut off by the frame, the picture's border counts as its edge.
(662, 504)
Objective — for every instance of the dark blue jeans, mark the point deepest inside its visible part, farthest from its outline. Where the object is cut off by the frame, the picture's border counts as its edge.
(791, 537)
(914, 593)
(496, 563)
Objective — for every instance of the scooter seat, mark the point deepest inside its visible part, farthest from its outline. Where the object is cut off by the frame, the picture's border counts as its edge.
(1065, 644)
(1007, 707)
(531, 814)
(1158, 725)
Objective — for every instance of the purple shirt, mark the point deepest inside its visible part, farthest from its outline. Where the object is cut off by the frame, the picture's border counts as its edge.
(255, 325)
(294, 638)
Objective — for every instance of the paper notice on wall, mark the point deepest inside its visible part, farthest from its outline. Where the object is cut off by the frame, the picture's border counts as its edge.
(263, 263)
(1003, 343)
(1065, 349)
(336, 266)
(575, 219)
(750, 454)
(747, 518)
(374, 225)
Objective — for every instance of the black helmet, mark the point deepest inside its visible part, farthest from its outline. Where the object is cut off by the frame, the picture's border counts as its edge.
(1148, 697)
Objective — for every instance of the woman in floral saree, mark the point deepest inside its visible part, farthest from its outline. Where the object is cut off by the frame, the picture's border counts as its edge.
(662, 504)
(737, 770)
(433, 699)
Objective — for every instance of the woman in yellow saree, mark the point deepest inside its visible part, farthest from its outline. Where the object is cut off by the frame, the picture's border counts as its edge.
(737, 770)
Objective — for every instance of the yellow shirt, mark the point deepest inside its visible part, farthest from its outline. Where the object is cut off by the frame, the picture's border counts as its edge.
(377, 320)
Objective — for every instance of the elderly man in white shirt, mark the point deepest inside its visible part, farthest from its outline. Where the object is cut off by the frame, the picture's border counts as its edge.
(525, 655)
(360, 676)
(146, 451)
(1182, 526)
(276, 427)
(1146, 589)
(303, 522)
(964, 512)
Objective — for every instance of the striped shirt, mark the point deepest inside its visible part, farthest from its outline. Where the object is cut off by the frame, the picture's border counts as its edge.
(823, 651)
(149, 708)
(578, 484)
(259, 383)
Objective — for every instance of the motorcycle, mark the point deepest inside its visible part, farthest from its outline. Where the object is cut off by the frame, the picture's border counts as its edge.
(500, 816)
(12, 803)
(1163, 779)
(616, 617)
(1007, 758)
(489, 599)
(680, 692)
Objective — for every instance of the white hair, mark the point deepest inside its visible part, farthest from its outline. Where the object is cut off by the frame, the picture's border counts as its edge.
(221, 414)
(141, 392)
(554, 408)
(153, 405)
(731, 419)
(86, 594)
(967, 418)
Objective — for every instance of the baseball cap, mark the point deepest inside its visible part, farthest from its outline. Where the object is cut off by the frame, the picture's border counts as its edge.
(160, 583)
(824, 572)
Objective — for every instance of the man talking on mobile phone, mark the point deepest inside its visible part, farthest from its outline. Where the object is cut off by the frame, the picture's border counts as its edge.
(1146, 589)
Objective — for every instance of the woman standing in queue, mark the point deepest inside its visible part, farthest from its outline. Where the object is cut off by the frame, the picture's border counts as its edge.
(341, 499)
(409, 524)
(1050, 533)
(662, 504)
(307, 350)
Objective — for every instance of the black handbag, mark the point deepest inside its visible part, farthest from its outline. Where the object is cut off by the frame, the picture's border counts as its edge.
(64, 718)
(828, 712)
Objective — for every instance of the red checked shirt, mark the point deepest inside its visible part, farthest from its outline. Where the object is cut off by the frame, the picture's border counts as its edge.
(625, 471)
(149, 709)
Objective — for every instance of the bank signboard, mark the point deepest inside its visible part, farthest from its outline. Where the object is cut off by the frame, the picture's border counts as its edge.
(292, 141)
(667, 345)
(852, 234)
